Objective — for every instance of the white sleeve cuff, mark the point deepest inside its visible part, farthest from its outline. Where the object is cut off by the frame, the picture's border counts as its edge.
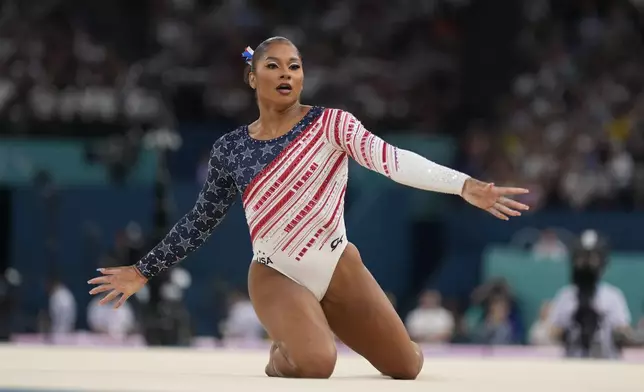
(416, 171)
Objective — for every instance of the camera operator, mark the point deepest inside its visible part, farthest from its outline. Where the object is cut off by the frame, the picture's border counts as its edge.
(590, 317)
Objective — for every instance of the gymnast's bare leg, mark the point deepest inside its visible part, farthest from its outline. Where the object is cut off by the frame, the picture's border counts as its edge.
(361, 315)
(303, 344)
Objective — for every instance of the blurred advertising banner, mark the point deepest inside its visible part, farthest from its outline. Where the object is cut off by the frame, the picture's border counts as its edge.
(73, 162)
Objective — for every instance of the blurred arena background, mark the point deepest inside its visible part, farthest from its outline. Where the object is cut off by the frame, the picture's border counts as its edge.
(108, 110)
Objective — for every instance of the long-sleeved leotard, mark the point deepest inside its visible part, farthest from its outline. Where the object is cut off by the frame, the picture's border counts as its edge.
(292, 189)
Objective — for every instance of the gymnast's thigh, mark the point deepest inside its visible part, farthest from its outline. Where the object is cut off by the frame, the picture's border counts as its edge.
(361, 315)
(292, 316)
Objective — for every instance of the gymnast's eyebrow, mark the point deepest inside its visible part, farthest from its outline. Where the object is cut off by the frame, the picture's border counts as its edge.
(276, 59)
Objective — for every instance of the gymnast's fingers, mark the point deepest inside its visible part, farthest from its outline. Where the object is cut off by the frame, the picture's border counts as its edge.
(112, 270)
(496, 213)
(505, 210)
(513, 204)
(510, 191)
(121, 301)
(109, 297)
(100, 280)
(102, 288)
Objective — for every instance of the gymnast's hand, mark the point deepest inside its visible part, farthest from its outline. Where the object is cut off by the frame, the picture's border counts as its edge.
(123, 281)
(493, 199)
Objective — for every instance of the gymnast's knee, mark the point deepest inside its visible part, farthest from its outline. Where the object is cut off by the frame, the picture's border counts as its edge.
(319, 363)
(410, 368)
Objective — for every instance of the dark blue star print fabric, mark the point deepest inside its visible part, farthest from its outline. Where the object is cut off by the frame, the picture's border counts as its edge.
(235, 159)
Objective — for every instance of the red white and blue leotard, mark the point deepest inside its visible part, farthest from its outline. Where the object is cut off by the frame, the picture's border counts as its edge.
(292, 189)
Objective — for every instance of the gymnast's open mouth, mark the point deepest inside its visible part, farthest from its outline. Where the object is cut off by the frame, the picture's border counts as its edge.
(284, 88)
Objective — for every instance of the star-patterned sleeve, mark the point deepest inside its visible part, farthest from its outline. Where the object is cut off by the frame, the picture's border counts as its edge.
(215, 198)
(402, 166)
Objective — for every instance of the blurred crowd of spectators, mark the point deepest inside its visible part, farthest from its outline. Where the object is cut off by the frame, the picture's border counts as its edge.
(572, 127)
(389, 63)
(494, 317)
(55, 66)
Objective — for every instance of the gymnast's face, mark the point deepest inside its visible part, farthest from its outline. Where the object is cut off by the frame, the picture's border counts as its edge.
(278, 77)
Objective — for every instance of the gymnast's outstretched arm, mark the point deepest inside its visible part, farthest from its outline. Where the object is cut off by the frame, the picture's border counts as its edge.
(411, 169)
(191, 231)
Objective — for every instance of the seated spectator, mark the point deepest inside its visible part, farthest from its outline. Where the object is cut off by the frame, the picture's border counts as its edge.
(485, 294)
(117, 323)
(62, 307)
(242, 321)
(549, 246)
(497, 328)
(540, 332)
(608, 304)
(430, 322)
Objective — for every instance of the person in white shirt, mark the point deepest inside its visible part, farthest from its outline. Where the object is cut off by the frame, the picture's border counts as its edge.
(117, 323)
(242, 321)
(588, 314)
(540, 332)
(430, 322)
(62, 308)
(609, 303)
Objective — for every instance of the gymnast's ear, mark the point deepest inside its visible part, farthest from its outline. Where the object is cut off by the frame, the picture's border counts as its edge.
(252, 80)
(249, 77)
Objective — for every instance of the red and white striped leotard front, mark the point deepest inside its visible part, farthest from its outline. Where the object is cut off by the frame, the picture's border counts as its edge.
(293, 191)
(295, 206)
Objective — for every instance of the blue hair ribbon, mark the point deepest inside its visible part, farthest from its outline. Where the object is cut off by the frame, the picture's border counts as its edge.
(248, 55)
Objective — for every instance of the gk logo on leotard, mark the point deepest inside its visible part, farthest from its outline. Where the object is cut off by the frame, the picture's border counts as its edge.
(336, 242)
